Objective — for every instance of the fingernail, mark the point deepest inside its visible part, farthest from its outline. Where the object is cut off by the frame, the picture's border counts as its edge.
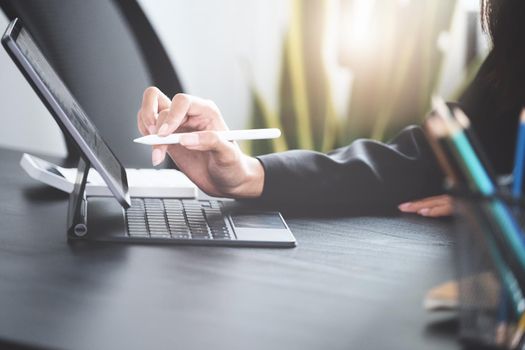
(152, 129)
(163, 129)
(189, 140)
(157, 157)
(404, 206)
(424, 211)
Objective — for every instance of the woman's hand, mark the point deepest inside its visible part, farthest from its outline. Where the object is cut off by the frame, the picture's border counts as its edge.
(216, 166)
(436, 206)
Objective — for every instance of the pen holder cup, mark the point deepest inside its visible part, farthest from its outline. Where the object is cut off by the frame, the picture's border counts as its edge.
(486, 316)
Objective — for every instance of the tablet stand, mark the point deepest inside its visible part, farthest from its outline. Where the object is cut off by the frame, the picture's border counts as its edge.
(76, 215)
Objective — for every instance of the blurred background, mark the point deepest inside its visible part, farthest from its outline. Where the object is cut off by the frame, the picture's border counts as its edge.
(324, 71)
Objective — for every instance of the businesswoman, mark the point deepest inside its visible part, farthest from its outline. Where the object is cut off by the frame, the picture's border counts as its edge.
(366, 175)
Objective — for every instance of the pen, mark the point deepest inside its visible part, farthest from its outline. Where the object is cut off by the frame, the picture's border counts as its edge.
(519, 156)
(229, 135)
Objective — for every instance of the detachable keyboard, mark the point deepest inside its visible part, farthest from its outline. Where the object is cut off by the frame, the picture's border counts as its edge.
(177, 219)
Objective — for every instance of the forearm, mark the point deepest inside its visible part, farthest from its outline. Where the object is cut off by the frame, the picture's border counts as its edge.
(363, 176)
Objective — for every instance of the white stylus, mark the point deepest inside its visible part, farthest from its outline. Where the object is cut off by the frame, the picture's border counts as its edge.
(230, 135)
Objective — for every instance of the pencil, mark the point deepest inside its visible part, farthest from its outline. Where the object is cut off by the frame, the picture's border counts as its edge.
(441, 107)
(435, 131)
(443, 113)
(464, 121)
(441, 145)
(518, 334)
(503, 318)
(519, 156)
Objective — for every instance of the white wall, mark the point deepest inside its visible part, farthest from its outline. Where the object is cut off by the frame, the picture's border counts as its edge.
(219, 47)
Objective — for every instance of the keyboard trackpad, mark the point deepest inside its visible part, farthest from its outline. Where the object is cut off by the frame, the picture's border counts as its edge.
(258, 220)
(261, 227)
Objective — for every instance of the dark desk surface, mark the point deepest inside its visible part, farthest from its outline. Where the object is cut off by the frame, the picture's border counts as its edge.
(352, 283)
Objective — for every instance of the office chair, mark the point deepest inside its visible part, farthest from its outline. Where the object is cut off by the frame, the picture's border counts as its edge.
(107, 53)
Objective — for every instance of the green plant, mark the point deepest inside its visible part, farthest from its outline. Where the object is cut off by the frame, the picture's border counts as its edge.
(394, 77)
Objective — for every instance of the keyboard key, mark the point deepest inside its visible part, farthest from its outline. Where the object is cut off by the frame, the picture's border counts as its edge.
(154, 220)
(160, 236)
(139, 235)
(180, 233)
(181, 236)
(201, 230)
(133, 232)
(137, 227)
(201, 237)
(177, 226)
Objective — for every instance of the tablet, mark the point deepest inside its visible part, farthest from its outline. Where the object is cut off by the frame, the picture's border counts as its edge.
(65, 109)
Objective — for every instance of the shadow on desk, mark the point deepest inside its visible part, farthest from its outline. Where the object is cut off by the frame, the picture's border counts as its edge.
(16, 346)
(39, 193)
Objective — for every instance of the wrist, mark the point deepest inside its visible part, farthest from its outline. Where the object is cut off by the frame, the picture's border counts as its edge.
(253, 182)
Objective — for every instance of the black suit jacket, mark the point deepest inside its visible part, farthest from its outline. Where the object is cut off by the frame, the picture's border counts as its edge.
(369, 176)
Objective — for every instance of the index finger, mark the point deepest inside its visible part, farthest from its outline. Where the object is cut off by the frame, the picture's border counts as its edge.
(183, 106)
(153, 101)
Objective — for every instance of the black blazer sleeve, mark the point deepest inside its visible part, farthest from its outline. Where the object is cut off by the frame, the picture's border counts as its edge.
(366, 176)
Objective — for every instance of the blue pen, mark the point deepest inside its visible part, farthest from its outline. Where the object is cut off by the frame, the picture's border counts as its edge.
(519, 158)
